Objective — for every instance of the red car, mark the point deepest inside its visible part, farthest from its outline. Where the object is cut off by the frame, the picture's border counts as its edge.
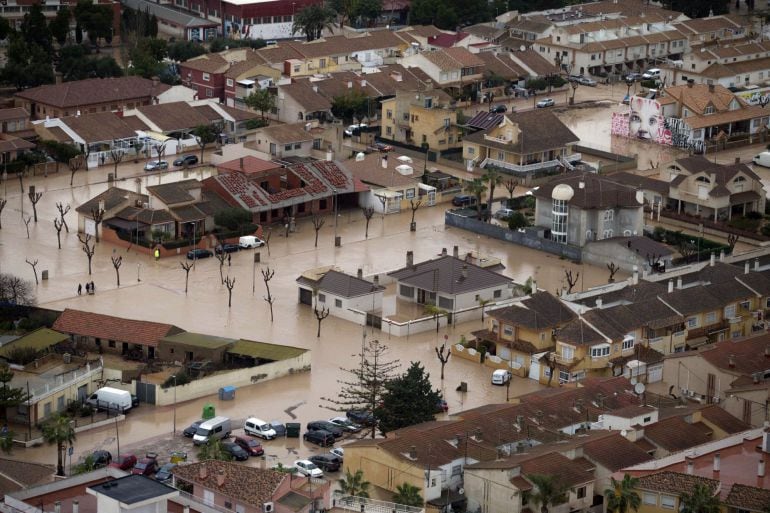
(147, 465)
(250, 445)
(124, 462)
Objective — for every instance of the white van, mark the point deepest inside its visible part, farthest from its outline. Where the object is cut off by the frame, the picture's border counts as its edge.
(763, 159)
(501, 377)
(258, 427)
(212, 429)
(108, 398)
(650, 74)
(250, 241)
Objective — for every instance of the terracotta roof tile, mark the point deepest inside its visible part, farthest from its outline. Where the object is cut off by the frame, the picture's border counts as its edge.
(674, 482)
(675, 434)
(569, 472)
(108, 327)
(93, 90)
(615, 452)
(538, 312)
(249, 485)
(748, 498)
(739, 356)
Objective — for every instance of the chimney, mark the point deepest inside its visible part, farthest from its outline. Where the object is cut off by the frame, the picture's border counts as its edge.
(711, 88)
(690, 465)
(57, 507)
(598, 302)
(721, 255)
(761, 468)
(409, 258)
(712, 259)
(464, 272)
(746, 267)
(220, 478)
(456, 252)
(635, 279)
(443, 252)
(203, 472)
(350, 84)
(670, 286)
(716, 462)
(534, 286)
(679, 283)
(329, 154)
(75, 506)
(737, 160)
(731, 361)
(756, 264)
(363, 83)
(241, 162)
(413, 452)
(360, 273)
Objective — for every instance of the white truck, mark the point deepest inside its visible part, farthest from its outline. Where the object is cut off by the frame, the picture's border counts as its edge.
(108, 398)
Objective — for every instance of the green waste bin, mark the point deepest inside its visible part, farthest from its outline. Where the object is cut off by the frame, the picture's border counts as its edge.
(209, 411)
(293, 429)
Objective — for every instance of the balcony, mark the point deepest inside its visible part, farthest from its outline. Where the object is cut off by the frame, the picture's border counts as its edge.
(529, 168)
(500, 140)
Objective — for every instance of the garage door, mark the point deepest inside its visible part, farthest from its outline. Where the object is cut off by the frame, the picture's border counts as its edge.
(306, 296)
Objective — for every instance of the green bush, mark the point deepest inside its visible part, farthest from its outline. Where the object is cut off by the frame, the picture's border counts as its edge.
(744, 223)
(251, 124)
(517, 220)
(232, 218)
(766, 230)
(754, 215)
(22, 355)
(182, 378)
(649, 84)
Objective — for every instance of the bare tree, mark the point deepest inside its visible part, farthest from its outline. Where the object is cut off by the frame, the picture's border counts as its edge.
(571, 281)
(15, 290)
(160, 149)
(574, 85)
(87, 248)
(62, 212)
(368, 213)
(117, 155)
(97, 214)
(613, 271)
(443, 357)
(318, 223)
(687, 249)
(266, 239)
(267, 275)
(414, 205)
(383, 200)
(3, 203)
(116, 263)
(186, 266)
(230, 283)
(320, 315)
(34, 268)
(34, 197)
(732, 240)
(75, 164)
(221, 256)
(510, 185)
(58, 225)
(27, 220)
(653, 261)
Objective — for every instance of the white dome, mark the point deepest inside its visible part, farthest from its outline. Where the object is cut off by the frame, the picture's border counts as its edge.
(562, 192)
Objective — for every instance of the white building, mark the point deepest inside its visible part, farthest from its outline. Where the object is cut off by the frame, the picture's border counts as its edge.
(344, 295)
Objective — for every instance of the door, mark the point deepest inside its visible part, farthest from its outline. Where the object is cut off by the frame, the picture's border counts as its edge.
(431, 198)
(534, 367)
(124, 348)
(145, 392)
(82, 393)
(306, 297)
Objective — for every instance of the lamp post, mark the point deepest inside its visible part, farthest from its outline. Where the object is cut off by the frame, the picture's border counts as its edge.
(336, 208)
(173, 433)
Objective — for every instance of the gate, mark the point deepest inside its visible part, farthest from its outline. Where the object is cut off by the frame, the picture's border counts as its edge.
(375, 321)
(145, 392)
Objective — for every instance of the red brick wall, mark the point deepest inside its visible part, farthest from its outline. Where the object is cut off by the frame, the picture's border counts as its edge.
(194, 79)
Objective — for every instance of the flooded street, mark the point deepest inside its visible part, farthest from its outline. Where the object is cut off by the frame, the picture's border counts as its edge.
(154, 291)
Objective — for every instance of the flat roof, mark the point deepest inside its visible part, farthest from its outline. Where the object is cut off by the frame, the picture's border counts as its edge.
(265, 351)
(133, 489)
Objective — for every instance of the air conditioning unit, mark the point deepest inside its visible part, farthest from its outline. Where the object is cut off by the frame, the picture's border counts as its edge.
(268, 507)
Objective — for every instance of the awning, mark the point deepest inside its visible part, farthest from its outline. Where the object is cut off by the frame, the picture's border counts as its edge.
(385, 193)
(697, 341)
(157, 136)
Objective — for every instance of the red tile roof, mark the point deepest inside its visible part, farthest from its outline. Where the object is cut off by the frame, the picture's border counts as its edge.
(248, 165)
(675, 434)
(108, 327)
(615, 452)
(744, 356)
(93, 90)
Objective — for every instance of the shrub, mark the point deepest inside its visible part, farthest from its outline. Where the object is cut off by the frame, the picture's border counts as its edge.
(744, 223)
(649, 84)
(232, 218)
(766, 230)
(517, 220)
(754, 215)
(182, 378)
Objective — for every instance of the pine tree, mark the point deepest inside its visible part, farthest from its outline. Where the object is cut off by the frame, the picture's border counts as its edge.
(408, 400)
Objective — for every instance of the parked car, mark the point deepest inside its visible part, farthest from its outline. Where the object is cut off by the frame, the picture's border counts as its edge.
(463, 200)
(250, 445)
(361, 417)
(195, 254)
(498, 109)
(124, 462)
(325, 425)
(574, 78)
(338, 452)
(545, 102)
(326, 462)
(633, 77)
(442, 406)
(504, 213)
(322, 438)
(236, 451)
(164, 473)
(156, 165)
(586, 81)
(651, 74)
(147, 465)
(382, 147)
(250, 241)
(354, 129)
(226, 248)
(501, 377)
(626, 100)
(308, 468)
(190, 430)
(763, 159)
(186, 160)
(279, 428)
(345, 424)
(101, 458)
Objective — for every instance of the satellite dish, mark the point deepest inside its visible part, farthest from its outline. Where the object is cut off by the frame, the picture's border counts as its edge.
(522, 48)
(404, 169)
(461, 491)
(360, 156)
(624, 432)
(639, 388)
(633, 381)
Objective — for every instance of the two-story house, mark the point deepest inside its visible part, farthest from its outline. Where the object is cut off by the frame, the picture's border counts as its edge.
(524, 144)
(300, 101)
(729, 64)
(448, 67)
(282, 141)
(420, 119)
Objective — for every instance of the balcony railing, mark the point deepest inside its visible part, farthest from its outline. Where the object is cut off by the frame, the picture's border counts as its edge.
(527, 168)
(360, 504)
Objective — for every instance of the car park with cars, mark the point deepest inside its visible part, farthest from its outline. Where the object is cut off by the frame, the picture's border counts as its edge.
(338, 452)
(326, 462)
(250, 445)
(361, 417)
(345, 424)
(124, 462)
(325, 425)
(308, 468)
(101, 458)
(235, 450)
(156, 165)
(190, 430)
(165, 473)
(186, 160)
(226, 248)
(258, 427)
(147, 465)
(320, 437)
(504, 213)
(279, 428)
(586, 81)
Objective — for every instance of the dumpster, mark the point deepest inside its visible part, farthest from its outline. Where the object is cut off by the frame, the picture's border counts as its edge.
(293, 429)
(209, 412)
(227, 393)
(178, 456)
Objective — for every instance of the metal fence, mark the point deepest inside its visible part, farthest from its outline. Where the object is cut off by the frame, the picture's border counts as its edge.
(363, 505)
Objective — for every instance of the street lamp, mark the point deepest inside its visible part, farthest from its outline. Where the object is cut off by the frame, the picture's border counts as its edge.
(336, 207)
(173, 433)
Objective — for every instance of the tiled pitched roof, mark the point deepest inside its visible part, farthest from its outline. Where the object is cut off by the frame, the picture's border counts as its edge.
(207, 63)
(675, 434)
(743, 356)
(502, 66)
(112, 198)
(539, 311)
(643, 182)
(248, 165)
(284, 134)
(370, 171)
(675, 482)
(302, 93)
(174, 192)
(100, 126)
(249, 485)
(174, 116)
(747, 498)
(534, 61)
(445, 275)
(718, 416)
(597, 192)
(16, 475)
(568, 472)
(108, 327)
(93, 90)
(342, 284)
(13, 113)
(541, 131)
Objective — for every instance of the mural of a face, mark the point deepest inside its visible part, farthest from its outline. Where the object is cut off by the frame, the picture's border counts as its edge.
(645, 121)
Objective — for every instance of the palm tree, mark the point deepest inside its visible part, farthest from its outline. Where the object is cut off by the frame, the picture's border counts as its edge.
(701, 500)
(494, 178)
(354, 484)
(436, 312)
(312, 20)
(621, 495)
(549, 491)
(60, 431)
(477, 189)
(408, 495)
(214, 450)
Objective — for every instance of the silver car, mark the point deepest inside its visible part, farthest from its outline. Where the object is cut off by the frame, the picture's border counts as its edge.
(545, 102)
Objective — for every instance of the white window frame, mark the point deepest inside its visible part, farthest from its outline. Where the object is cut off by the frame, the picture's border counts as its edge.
(730, 311)
(628, 342)
(711, 318)
(667, 502)
(692, 322)
(600, 350)
(650, 498)
(567, 352)
(206, 77)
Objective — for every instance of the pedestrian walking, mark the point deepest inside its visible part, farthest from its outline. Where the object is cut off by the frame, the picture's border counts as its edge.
(229, 257)
(88, 288)
(80, 289)
(93, 289)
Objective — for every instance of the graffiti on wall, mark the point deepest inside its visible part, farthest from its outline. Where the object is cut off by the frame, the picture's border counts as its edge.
(644, 120)
(759, 96)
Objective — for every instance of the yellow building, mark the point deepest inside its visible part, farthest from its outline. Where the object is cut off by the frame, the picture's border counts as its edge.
(661, 492)
(421, 118)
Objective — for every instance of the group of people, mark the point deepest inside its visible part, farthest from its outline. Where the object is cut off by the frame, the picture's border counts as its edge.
(89, 288)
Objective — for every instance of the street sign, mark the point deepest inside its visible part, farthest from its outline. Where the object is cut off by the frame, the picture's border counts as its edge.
(70, 450)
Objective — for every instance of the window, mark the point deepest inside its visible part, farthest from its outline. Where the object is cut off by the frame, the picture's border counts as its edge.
(424, 138)
(206, 77)
(563, 376)
(508, 330)
(322, 63)
(609, 215)
(567, 352)
(600, 351)
(316, 144)
(338, 303)
(667, 501)
(628, 342)
(406, 290)
(581, 492)
(111, 343)
(60, 403)
(446, 303)
(287, 147)
(388, 130)
(497, 294)
(47, 409)
(457, 470)
(389, 114)
(209, 93)
(711, 318)
(471, 150)
(229, 82)
(730, 311)
(297, 146)
(322, 298)
(322, 204)
(692, 322)
(650, 498)
(645, 420)
(228, 505)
